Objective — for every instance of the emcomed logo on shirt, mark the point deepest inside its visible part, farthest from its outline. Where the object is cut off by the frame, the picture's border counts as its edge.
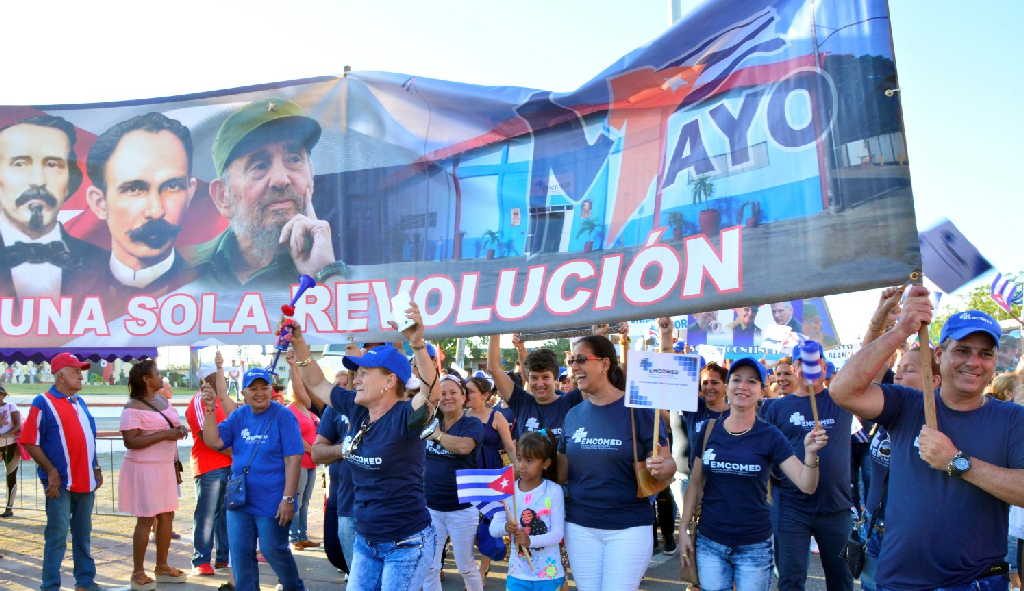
(798, 419)
(582, 438)
(729, 467)
(250, 438)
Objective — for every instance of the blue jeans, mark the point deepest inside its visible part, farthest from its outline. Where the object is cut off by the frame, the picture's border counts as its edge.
(793, 529)
(307, 482)
(68, 511)
(747, 567)
(347, 537)
(391, 566)
(243, 530)
(872, 548)
(992, 583)
(210, 518)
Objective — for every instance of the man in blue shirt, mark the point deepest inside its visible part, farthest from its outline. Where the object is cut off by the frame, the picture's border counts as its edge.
(826, 513)
(949, 488)
(543, 408)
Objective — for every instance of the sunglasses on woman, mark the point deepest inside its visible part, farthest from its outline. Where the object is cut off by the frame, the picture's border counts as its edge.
(580, 359)
(349, 446)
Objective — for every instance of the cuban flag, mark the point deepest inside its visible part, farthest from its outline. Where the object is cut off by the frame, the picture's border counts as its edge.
(484, 485)
(1005, 292)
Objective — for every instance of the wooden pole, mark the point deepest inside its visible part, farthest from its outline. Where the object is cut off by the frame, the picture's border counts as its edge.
(525, 552)
(925, 359)
(814, 403)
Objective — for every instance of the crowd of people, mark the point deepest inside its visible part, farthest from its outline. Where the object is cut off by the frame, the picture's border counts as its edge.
(773, 462)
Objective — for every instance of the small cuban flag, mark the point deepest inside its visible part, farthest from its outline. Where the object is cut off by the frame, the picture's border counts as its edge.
(1005, 292)
(481, 485)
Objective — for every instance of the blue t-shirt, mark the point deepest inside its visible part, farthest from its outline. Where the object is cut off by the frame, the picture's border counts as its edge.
(387, 473)
(598, 442)
(879, 451)
(261, 442)
(334, 426)
(792, 415)
(530, 416)
(942, 531)
(442, 492)
(695, 422)
(734, 511)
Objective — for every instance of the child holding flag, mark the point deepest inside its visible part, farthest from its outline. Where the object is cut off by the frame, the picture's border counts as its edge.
(536, 519)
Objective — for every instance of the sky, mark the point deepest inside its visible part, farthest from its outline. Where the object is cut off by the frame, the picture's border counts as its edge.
(960, 75)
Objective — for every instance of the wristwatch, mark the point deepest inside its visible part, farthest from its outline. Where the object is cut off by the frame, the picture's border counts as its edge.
(959, 465)
(287, 499)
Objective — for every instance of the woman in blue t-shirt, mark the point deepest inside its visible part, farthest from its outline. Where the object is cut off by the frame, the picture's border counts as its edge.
(452, 446)
(730, 484)
(608, 528)
(266, 451)
(394, 540)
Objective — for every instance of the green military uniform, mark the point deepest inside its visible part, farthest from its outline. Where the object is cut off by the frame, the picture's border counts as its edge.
(216, 261)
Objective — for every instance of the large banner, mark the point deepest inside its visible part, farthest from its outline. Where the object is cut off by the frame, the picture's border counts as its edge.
(750, 154)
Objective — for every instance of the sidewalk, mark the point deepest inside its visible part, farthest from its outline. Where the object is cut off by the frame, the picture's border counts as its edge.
(21, 543)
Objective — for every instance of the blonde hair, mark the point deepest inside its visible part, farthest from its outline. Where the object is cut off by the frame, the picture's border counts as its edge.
(1002, 386)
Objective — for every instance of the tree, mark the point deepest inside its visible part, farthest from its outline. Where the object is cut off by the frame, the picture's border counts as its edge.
(976, 299)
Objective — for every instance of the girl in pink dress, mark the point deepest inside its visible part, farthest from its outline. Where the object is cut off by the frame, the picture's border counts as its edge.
(147, 485)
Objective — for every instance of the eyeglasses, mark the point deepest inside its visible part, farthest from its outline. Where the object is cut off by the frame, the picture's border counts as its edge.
(349, 446)
(580, 359)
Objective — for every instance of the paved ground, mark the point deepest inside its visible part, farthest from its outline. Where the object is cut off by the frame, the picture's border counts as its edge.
(21, 545)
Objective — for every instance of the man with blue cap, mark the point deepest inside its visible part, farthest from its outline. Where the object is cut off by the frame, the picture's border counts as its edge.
(949, 488)
(262, 156)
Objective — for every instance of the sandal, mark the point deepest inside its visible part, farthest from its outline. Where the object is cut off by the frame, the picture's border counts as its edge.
(169, 574)
(140, 581)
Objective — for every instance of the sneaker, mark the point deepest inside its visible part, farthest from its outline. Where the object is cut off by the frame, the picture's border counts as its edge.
(260, 558)
(8, 513)
(814, 547)
(204, 570)
(221, 564)
(670, 550)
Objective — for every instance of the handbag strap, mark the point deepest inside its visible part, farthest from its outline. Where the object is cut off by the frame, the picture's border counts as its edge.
(160, 412)
(708, 426)
(632, 422)
(252, 458)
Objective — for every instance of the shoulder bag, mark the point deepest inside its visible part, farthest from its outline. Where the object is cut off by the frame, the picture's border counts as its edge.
(646, 485)
(688, 573)
(236, 494)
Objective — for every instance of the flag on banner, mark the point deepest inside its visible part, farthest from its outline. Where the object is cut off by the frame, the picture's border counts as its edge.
(948, 258)
(481, 485)
(1005, 292)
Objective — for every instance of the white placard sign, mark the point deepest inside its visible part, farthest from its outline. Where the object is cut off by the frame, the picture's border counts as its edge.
(662, 380)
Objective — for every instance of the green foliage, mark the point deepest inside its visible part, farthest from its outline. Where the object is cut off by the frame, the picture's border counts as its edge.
(491, 238)
(977, 298)
(703, 188)
(589, 227)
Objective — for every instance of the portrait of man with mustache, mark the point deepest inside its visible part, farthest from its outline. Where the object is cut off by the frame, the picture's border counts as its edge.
(142, 184)
(261, 154)
(38, 172)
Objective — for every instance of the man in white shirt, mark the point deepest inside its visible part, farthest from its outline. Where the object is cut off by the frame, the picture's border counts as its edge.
(38, 172)
(141, 187)
(10, 428)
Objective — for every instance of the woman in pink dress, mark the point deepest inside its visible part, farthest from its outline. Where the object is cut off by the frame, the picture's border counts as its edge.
(147, 485)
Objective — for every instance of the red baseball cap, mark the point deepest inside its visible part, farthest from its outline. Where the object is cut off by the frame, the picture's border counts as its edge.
(62, 360)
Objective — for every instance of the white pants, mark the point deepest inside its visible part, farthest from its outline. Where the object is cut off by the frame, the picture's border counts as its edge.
(461, 526)
(608, 559)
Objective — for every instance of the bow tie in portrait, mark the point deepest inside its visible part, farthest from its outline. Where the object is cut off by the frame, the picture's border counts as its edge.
(55, 253)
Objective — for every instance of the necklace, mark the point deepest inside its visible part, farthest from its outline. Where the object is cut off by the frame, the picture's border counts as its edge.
(744, 432)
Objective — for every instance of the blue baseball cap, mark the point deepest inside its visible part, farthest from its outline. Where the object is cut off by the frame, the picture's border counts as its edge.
(961, 324)
(384, 356)
(747, 362)
(256, 373)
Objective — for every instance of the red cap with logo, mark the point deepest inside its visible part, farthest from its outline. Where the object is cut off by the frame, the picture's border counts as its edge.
(62, 360)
